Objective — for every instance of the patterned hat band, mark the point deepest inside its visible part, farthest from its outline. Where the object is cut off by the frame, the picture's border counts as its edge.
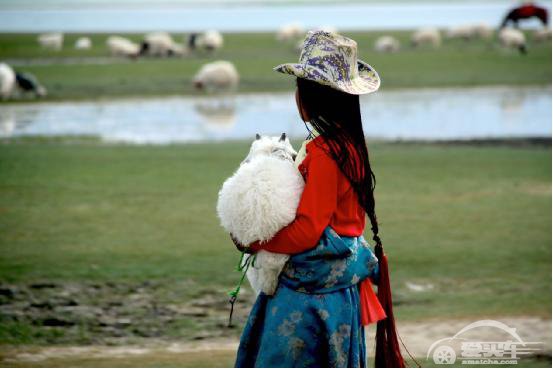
(331, 59)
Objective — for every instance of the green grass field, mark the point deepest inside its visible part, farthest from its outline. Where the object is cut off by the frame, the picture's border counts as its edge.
(473, 221)
(68, 75)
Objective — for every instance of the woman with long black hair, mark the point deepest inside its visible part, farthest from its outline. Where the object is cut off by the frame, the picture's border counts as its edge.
(324, 296)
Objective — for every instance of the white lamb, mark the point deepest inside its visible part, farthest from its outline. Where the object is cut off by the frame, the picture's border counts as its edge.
(259, 199)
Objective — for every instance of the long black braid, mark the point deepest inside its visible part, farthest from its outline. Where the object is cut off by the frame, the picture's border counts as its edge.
(336, 116)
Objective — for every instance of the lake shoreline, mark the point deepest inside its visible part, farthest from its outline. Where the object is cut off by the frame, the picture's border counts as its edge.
(421, 114)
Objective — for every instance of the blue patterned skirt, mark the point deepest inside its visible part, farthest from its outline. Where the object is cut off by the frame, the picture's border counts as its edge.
(313, 319)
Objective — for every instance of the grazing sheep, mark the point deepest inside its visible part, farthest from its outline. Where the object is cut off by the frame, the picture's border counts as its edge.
(259, 199)
(120, 46)
(217, 77)
(464, 32)
(429, 36)
(7, 81)
(482, 31)
(290, 32)
(12, 81)
(470, 31)
(207, 41)
(513, 38)
(83, 43)
(52, 41)
(160, 44)
(542, 34)
(387, 44)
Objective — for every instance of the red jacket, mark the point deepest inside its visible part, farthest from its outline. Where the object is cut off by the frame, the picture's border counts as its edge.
(327, 199)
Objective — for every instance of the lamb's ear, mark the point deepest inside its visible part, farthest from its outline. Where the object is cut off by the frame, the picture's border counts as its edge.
(257, 136)
(282, 137)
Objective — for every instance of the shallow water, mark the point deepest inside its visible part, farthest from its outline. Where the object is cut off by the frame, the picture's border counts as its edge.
(430, 114)
(184, 16)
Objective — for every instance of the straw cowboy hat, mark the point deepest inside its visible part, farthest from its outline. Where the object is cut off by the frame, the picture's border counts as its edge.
(331, 59)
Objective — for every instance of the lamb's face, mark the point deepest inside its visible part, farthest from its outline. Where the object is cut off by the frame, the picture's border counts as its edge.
(279, 147)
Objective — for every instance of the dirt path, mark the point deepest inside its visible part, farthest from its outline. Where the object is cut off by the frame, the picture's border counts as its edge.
(417, 336)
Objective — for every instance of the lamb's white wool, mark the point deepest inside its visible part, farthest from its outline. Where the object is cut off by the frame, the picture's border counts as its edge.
(387, 44)
(429, 36)
(7, 81)
(120, 46)
(83, 43)
(290, 31)
(53, 41)
(258, 200)
(220, 76)
(512, 38)
(210, 40)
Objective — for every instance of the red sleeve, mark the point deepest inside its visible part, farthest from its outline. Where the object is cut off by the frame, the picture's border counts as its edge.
(316, 207)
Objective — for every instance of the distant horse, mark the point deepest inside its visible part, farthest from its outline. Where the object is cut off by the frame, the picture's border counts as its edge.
(524, 12)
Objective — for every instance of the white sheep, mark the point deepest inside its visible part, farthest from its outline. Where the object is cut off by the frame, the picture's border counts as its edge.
(7, 81)
(470, 31)
(208, 41)
(482, 31)
(217, 77)
(83, 43)
(464, 32)
(429, 36)
(542, 34)
(52, 41)
(387, 44)
(290, 32)
(513, 39)
(13, 83)
(120, 46)
(161, 44)
(258, 200)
